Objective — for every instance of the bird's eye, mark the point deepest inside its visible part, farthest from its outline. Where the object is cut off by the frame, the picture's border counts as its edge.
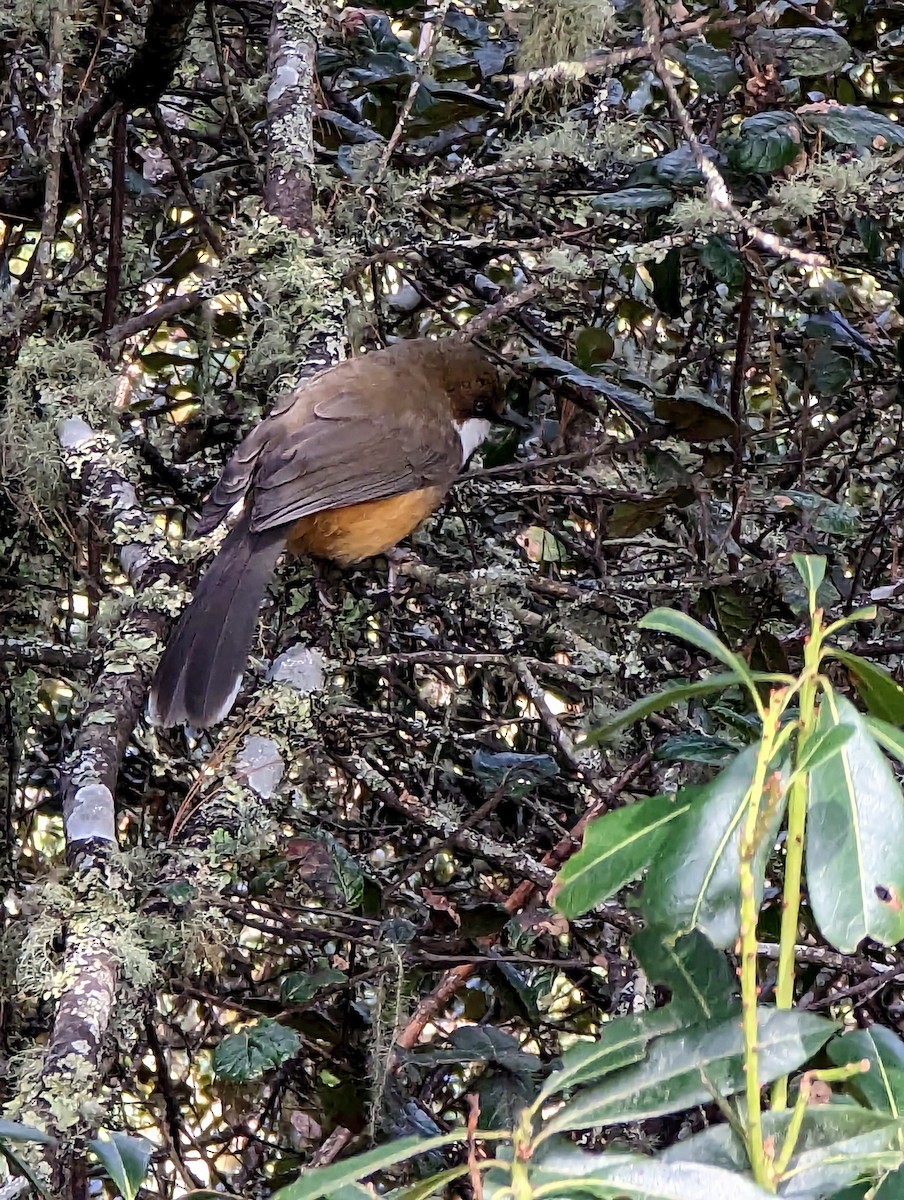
(480, 408)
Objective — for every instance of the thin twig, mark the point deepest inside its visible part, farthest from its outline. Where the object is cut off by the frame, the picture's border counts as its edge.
(716, 188)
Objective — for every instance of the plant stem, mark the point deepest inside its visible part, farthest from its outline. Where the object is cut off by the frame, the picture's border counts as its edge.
(794, 845)
(759, 790)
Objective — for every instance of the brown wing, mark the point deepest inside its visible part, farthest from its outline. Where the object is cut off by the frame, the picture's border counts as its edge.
(338, 454)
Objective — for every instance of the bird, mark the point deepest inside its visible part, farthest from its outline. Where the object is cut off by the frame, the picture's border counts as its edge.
(345, 466)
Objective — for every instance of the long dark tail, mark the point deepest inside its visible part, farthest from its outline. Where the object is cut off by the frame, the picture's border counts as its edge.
(201, 669)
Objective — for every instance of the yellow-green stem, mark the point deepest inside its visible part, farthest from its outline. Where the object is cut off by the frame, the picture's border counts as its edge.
(794, 845)
(756, 1150)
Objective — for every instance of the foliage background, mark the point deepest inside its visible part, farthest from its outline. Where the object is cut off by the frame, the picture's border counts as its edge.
(272, 919)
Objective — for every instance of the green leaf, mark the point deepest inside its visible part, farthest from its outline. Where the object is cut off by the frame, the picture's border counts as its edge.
(712, 70)
(633, 199)
(855, 818)
(436, 1184)
(832, 1134)
(695, 747)
(694, 882)
(804, 51)
(696, 416)
(687, 1067)
(853, 125)
(617, 848)
(575, 1173)
(125, 1159)
(13, 1131)
(254, 1051)
(812, 570)
(298, 987)
(621, 1042)
(823, 746)
(675, 694)
(824, 1169)
(875, 686)
(719, 257)
(680, 625)
(592, 346)
(889, 737)
(765, 143)
(325, 1181)
(881, 1088)
(703, 986)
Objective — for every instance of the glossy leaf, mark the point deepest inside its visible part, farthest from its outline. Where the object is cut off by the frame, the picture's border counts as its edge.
(685, 1068)
(617, 848)
(855, 828)
(812, 570)
(723, 261)
(694, 883)
(882, 1086)
(13, 1131)
(712, 70)
(620, 1042)
(326, 1181)
(680, 625)
(838, 1143)
(254, 1051)
(800, 52)
(704, 988)
(635, 1177)
(881, 694)
(677, 694)
(125, 1159)
(766, 142)
(633, 199)
(853, 125)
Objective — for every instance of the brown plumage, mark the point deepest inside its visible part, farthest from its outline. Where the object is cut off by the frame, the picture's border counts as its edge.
(345, 466)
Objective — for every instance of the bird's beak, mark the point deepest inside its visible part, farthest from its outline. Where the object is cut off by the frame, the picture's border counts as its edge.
(512, 419)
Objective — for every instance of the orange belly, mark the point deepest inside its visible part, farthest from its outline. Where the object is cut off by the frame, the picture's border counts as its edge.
(346, 535)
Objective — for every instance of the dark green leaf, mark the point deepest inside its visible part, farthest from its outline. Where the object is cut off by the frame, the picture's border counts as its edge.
(13, 1131)
(870, 233)
(695, 747)
(592, 346)
(723, 261)
(325, 1181)
(822, 747)
(694, 882)
(633, 402)
(617, 848)
(570, 1172)
(712, 70)
(703, 986)
(875, 686)
(257, 1049)
(685, 1068)
(855, 818)
(620, 1043)
(832, 1134)
(697, 417)
(125, 1159)
(298, 987)
(634, 199)
(805, 51)
(765, 143)
(853, 125)
(677, 694)
(882, 1086)
(508, 770)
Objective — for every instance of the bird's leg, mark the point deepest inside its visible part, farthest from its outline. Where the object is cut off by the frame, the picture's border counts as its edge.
(398, 559)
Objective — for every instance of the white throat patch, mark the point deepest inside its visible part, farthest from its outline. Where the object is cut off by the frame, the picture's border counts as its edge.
(471, 432)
